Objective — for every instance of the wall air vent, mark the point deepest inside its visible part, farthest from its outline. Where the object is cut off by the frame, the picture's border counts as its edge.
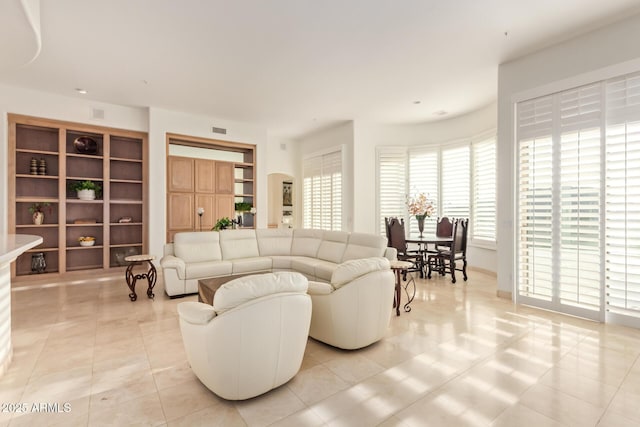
(219, 130)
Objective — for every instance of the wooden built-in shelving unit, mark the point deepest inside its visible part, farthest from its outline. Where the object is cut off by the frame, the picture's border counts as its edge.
(119, 166)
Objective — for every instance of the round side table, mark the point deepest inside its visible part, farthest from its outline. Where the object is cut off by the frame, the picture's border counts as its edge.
(150, 275)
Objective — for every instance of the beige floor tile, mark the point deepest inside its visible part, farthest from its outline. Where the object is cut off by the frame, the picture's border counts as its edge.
(175, 375)
(52, 416)
(270, 407)
(626, 404)
(561, 407)
(306, 417)
(186, 398)
(521, 416)
(314, 384)
(353, 368)
(613, 419)
(586, 389)
(112, 392)
(217, 415)
(146, 410)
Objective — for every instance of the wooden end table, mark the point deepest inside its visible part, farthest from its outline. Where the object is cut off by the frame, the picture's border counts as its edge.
(150, 275)
(399, 267)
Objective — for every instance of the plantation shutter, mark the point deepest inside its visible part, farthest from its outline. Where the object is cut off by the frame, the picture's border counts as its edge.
(322, 191)
(456, 186)
(579, 243)
(423, 178)
(534, 128)
(484, 190)
(623, 196)
(392, 180)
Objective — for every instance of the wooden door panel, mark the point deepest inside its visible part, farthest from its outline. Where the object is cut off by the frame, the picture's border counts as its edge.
(225, 206)
(224, 178)
(181, 174)
(205, 176)
(181, 211)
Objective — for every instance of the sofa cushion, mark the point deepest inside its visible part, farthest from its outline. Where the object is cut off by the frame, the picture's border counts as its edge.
(350, 270)
(200, 270)
(282, 262)
(306, 242)
(324, 270)
(333, 246)
(244, 289)
(249, 265)
(274, 241)
(238, 244)
(305, 265)
(197, 246)
(363, 245)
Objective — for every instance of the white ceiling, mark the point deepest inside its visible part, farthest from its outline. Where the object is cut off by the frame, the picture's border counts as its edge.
(297, 65)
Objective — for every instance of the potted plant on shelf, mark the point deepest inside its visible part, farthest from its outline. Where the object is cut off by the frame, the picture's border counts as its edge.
(222, 224)
(37, 211)
(87, 190)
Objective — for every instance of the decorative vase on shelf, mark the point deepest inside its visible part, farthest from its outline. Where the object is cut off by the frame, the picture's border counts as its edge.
(38, 218)
(86, 194)
(420, 219)
(38, 263)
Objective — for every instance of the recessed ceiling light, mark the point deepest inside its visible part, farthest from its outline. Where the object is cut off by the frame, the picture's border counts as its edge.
(416, 102)
(81, 91)
(439, 113)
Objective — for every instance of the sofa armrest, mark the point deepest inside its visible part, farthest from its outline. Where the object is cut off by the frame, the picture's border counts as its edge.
(319, 288)
(391, 254)
(350, 270)
(196, 313)
(173, 262)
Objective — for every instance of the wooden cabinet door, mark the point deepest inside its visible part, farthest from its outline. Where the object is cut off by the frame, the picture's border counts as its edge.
(224, 178)
(205, 176)
(181, 174)
(181, 212)
(225, 206)
(208, 203)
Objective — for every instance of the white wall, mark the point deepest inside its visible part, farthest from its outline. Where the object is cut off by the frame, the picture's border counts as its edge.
(71, 109)
(609, 51)
(162, 122)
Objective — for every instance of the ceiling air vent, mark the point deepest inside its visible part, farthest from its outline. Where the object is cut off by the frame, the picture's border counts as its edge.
(219, 130)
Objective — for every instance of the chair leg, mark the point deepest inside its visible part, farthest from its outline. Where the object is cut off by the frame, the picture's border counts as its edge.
(452, 268)
(464, 269)
(429, 268)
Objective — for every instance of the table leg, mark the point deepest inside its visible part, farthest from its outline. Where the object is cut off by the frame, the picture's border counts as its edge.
(131, 281)
(151, 279)
(398, 290)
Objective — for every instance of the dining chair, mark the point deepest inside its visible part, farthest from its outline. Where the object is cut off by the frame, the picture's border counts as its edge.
(444, 228)
(446, 259)
(397, 239)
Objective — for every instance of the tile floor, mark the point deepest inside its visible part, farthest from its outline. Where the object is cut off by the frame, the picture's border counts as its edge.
(461, 357)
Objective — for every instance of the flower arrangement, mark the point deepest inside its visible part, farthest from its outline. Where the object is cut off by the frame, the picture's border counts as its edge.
(420, 205)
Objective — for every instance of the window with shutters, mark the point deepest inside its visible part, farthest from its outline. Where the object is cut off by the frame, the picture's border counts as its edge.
(322, 191)
(392, 183)
(578, 192)
(445, 174)
(483, 220)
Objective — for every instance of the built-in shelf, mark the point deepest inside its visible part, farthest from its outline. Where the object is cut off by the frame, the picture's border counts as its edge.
(119, 165)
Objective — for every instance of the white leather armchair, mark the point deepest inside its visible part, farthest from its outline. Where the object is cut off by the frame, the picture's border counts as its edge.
(353, 311)
(253, 337)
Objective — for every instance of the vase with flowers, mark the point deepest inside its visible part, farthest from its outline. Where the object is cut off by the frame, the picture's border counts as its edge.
(420, 206)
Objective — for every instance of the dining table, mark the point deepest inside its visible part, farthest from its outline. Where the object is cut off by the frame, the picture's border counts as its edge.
(423, 243)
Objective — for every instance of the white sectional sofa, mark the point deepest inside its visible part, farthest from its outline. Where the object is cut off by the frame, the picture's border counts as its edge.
(314, 253)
